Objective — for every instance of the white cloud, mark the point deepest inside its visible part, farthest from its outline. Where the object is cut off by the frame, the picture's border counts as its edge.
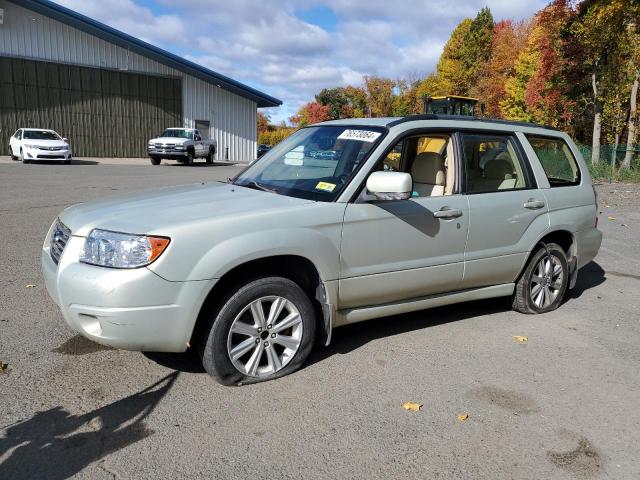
(264, 44)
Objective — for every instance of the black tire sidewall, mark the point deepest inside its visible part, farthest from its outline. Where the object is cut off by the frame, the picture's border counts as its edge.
(189, 159)
(209, 157)
(559, 253)
(213, 348)
(155, 160)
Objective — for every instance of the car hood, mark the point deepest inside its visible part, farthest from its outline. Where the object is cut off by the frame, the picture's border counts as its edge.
(176, 140)
(159, 211)
(45, 143)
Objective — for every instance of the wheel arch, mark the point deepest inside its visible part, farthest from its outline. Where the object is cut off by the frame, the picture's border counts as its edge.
(561, 236)
(296, 268)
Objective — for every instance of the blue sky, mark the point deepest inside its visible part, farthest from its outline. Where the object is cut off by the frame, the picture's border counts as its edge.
(293, 48)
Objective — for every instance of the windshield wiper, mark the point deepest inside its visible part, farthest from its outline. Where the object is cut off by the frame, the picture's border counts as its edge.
(256, 186)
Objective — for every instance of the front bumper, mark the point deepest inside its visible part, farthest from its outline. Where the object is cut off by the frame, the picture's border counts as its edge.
(130, 309)
(46, 155)
(152, 151)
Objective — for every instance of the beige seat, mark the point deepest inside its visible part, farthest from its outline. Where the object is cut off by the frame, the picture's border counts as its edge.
(428, 174)
(499, 174)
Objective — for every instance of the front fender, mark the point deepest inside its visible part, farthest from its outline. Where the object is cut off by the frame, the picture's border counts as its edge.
(321, 250)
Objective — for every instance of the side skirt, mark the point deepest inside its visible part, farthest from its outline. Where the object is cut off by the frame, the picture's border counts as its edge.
(345, 317)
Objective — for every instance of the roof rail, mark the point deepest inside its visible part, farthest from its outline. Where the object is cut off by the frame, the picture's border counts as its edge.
(462, 118)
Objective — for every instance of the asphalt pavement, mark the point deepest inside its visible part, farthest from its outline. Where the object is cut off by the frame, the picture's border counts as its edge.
(565, 404)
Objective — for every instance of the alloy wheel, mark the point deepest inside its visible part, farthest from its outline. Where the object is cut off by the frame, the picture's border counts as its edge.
(265, 336)
(546, 281)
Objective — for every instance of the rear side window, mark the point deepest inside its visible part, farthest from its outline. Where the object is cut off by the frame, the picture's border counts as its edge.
(492, 164)
(556, 158)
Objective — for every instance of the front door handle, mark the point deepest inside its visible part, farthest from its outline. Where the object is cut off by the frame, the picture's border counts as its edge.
(448, 213)
(533, 204)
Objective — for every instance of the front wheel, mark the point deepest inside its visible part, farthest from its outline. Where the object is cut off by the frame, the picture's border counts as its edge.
(189, 159)
(544, 282)
(262, 331)
(155, 160)
(13, 157)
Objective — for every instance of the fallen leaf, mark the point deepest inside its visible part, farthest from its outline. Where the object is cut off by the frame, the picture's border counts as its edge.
(29, 285)
(3, 367)
(520, 338)
(463, 417)
(611, 218)
(412, 406)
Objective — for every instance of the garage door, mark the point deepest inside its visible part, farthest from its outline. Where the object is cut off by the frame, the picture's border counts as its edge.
(104, 113)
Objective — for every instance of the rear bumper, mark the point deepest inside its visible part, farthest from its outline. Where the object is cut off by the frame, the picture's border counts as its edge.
(588, 244)
(130, 309)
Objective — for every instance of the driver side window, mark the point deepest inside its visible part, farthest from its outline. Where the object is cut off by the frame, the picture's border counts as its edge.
(430, 161)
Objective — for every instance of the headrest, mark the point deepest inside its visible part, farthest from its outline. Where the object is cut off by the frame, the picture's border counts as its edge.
(498, 168)
(428, 167)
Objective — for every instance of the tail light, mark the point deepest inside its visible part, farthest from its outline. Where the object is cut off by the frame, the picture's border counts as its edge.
(595, 194)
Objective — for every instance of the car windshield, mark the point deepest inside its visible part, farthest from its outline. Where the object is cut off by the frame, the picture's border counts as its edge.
(314, 163)
(177, 133)
(40, 135)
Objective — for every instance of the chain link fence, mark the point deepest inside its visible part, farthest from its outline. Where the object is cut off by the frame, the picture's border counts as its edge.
(611, 171)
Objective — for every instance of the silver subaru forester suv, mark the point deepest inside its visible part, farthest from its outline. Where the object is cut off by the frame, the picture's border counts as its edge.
(343, 221)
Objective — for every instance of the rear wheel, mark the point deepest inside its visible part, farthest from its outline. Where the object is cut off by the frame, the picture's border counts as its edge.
(210, 155)
(155, 160)
(262, 331)
(544, 282)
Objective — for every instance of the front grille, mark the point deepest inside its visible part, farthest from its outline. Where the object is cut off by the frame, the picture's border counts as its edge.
(51, 149)
(165, 145)
(51, 157)
(59, 238)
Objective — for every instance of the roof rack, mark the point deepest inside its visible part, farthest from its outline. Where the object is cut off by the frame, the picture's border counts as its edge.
(462, 118)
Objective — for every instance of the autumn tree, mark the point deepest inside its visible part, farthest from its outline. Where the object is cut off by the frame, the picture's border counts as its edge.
(509, 40)
(310, 113)
(263, 122)
(379, 95)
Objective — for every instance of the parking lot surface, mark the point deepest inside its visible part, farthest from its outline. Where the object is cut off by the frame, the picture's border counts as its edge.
(562, 404)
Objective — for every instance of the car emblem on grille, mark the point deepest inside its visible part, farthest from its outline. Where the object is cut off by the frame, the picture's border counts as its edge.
(58, 235)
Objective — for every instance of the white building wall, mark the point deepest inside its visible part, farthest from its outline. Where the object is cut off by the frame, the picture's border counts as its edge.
(232, 118)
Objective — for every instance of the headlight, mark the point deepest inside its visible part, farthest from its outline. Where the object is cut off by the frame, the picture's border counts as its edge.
(30, 145)
(65, 147)
(121, 250)
(179, 147)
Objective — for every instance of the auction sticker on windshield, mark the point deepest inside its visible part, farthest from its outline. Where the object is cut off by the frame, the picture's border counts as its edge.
(326, 186)
(360, 135)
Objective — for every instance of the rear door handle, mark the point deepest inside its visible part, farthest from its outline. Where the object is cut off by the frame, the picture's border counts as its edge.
(532, 204)
(448, 213)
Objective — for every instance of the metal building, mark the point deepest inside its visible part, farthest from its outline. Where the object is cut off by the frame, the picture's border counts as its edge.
(109, 92)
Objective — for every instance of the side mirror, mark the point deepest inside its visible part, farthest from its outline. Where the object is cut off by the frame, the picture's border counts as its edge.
(65, 140)
(197, 138)
(390, 185)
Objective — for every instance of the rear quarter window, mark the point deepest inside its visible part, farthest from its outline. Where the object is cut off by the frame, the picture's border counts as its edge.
(557, 160)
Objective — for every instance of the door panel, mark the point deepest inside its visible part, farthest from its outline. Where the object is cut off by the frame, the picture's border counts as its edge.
(501, 232)
(397, 250)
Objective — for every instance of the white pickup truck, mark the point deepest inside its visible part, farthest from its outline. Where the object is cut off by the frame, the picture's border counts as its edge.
(181, 144)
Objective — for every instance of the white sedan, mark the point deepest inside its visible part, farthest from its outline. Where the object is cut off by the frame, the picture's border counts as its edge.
(29, 144)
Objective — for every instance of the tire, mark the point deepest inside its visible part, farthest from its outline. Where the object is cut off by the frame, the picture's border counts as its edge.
(217, 340)
(535, 291)
(13, 157)
(67, 162)
(210, 155)
(189, 159)
(155, 160)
